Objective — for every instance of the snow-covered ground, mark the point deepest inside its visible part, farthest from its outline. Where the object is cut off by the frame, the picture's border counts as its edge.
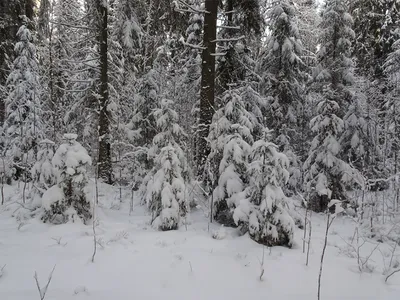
(134, 261)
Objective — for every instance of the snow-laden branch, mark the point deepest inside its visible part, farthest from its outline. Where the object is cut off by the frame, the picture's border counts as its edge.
(72, 26)
(229, 40)
(218, 54)
(74, 90)
(189, 8)
(230, 12)
(194, 46)
(228, 27)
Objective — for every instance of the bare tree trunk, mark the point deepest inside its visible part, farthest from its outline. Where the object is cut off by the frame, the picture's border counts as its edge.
(328, 225)
(309, 239)
(207, 92)
(3, 175)
(95, 202)
(396, 151)
(104, 161)
(305, 229)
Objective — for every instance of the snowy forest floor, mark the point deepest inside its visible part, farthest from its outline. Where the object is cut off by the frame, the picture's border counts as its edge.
(134, 261)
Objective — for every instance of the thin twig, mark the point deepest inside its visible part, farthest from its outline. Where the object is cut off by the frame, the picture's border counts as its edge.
(391, 274)
(191, 268)
(328, 224)
(2, 270)
(43, 291)
(309, 239)
(95, 201)
(262, 264)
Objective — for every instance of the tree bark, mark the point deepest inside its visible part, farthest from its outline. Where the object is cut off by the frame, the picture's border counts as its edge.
(104, 160)
(207, 92)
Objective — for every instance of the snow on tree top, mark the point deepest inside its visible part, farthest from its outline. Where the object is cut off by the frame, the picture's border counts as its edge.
(71, 155)
(70, 136)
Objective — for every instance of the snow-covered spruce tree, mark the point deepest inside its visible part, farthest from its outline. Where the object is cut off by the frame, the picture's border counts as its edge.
(241, 28)
(126, 28)
(177, 82)
(283, 73)
(326, 173)
(61, 56)
(67, 200)
(375, 23)
(43, 19)
(11, 18)
(262, 213)
(308, 20)
(142, 126)
(335, 67)
(392, 104)
(125, 40)
(165, 186)
(230, 138)
(232, 179)
(333, 76)
(162, 81)
(43, 174)
(23, 126)
(356, 142)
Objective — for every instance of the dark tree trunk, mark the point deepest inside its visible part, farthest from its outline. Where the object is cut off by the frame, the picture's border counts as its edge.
(104, 161)
(29, 9)
(43, 25)
(207, 80)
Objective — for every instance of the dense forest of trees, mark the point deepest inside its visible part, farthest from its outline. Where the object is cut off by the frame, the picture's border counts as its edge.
(247, 103)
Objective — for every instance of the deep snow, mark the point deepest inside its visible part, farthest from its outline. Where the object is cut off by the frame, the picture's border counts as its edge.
(134, 261)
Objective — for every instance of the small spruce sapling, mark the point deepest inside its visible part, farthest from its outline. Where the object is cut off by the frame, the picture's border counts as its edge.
(232, 180)
(43, 175)
(67, 199)
(231, 133)
(263, 212)
(326, 173)
(165, 186)
(142, 127)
